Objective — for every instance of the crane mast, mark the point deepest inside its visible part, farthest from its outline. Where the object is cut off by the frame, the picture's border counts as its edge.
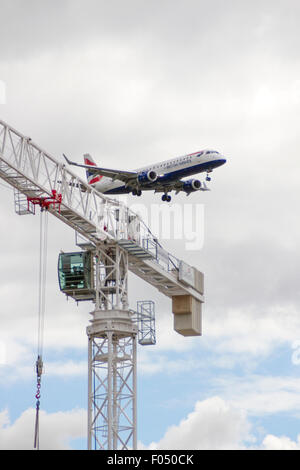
(116, 241)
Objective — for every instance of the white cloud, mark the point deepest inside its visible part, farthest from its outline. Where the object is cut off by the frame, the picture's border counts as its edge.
(216, 424)
(67, 368)
(260, 395)
(243, 331)
(271, 442)
(213, 425)
(156, 363)
(56, 429)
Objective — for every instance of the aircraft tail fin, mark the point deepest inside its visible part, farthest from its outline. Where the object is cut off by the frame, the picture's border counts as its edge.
(90, 174)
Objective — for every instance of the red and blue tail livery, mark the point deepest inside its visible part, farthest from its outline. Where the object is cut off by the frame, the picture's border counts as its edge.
(90, 175)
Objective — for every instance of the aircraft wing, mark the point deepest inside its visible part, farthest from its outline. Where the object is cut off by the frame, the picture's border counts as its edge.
(121, 175)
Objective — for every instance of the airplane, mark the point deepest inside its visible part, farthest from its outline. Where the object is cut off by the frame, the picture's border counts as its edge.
(161, 177)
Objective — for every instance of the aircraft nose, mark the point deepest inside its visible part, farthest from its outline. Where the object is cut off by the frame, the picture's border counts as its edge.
(223, 160)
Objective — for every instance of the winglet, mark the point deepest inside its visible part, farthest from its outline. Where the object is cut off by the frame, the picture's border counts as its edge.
(67, 160)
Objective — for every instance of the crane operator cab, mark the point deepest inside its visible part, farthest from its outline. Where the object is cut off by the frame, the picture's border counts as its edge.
(75, 275)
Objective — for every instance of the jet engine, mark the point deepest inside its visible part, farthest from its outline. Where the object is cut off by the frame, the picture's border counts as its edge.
(191, 185)
(147, 177)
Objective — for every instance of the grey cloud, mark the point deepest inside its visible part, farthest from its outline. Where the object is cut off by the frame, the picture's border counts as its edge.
(180, 29)
(257, 274)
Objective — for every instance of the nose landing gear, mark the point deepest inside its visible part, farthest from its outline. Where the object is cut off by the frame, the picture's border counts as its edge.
(208, 178)
(166, 197)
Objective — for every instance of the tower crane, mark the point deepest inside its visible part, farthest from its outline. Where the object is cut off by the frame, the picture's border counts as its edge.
(113, 240)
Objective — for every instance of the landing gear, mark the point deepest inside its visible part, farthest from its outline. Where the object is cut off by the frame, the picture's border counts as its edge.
(208, 178)
(166, 197)
(136, 192)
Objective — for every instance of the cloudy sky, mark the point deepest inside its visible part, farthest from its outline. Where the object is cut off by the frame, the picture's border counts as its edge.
(133, 83)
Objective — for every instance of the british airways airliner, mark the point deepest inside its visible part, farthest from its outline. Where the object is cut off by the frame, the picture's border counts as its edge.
(162, 177)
